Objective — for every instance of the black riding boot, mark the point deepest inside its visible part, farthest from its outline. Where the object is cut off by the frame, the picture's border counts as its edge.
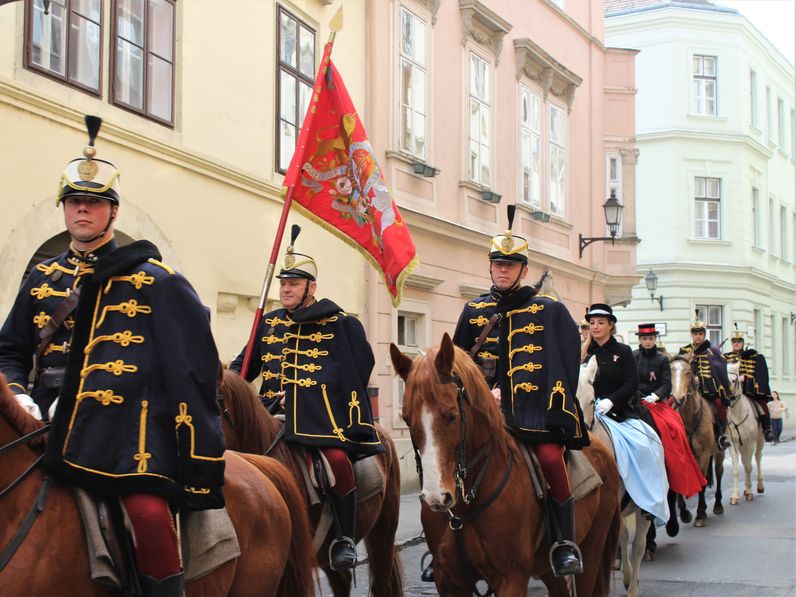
(171, 586)
(765, 421)
(565, 556)
(343, 551)
(721, 439)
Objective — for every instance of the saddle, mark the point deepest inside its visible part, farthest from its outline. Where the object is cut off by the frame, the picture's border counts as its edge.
(208, 540)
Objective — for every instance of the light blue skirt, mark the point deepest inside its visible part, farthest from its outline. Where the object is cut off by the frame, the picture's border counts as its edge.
(639, 458)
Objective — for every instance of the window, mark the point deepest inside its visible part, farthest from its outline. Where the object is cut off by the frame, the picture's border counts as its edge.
(771, 227)
(407, 330)
(707, 198)
(480, 120)
(531, 147)
(772, 362)
(781, 124)
(758, 316)
(411, 335)
(143, 57)
(769, 134)
(413, 84)
(785, 347)
(783, 233)
(296, 78)
(712, 316)
(753, 96)
(558, 159)
(66, 43)
(792, 134)
(705, 85)
(755, 217)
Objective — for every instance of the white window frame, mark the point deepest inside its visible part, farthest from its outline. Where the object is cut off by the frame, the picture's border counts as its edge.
(557, 190)
(701, 84)
(755, 217)
(753, 96)
(702, 203)
(781, 123)
(420, 312)
(417, 106)
(786, 345)
(772, 362)
(531, 140)
(769, 135)
(713, 316)
(783, 233)
(772, 242)
(485, 107)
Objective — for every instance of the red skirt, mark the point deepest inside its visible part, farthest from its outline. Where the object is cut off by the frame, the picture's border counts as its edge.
(681, 467)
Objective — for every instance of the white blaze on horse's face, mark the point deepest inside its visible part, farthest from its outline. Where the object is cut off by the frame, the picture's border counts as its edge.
(433, 493)
(679, 383)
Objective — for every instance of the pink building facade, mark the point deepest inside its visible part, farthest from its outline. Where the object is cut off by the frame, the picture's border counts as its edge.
(473, 105)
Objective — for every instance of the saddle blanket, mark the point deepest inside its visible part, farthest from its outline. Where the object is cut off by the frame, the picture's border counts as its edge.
(208, 541)
(367, 474)
(583, 477)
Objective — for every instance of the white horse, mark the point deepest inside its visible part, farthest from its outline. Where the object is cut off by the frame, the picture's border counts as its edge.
(634, 522)
(746, 438)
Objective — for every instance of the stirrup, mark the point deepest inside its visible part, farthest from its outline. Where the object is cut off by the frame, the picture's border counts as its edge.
(343, 565)
(427, 570)
(578, 556)
(722, 442)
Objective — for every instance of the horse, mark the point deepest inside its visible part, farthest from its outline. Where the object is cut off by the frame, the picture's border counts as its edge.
(746, 438)
(698, 420)
(249, 427)
(634, 521)
(495, 531)
(276, 550)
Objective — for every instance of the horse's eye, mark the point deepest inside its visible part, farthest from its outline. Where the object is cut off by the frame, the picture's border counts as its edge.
(451, 416)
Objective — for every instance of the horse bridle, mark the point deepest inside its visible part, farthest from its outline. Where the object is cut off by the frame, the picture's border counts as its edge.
(456, 523)
(38, 504)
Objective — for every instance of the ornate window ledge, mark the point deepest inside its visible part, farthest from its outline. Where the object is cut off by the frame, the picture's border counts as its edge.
(470, 292)
(483, 26)
(538, 65)
(422, 282)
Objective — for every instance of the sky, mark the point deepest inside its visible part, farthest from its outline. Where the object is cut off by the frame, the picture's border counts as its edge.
(776, 19)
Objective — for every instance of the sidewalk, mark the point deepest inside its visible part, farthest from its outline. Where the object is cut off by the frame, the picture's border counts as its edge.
(409, 528)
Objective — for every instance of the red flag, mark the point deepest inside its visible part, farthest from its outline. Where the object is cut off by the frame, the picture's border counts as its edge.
(338, 183)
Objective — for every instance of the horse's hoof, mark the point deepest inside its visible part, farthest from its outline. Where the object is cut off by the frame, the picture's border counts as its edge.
(718, 509)
(685, 516)
(734, 501)
(699, 522)
(672, 528)
(649, 556)
(749, 497)
(761, 490)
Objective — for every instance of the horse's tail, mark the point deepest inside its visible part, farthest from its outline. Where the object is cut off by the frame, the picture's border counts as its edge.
(297, 578)
(386, 576)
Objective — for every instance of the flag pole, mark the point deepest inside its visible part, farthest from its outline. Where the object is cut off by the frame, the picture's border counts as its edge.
(335, 25)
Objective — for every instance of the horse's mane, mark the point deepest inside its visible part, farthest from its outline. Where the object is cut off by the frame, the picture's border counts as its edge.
(425, 379)
(19, 419)
(254, 428)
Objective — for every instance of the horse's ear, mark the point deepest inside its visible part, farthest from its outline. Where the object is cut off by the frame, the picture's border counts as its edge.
(401, 362)
(444, 359)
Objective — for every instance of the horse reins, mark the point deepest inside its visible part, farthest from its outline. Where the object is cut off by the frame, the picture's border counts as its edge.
(38, 504)
(456, 523)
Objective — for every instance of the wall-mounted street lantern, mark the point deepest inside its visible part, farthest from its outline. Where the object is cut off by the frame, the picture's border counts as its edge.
(490, 196)
(540, 216)
(651, 280)
(424, 169)
(613, 217)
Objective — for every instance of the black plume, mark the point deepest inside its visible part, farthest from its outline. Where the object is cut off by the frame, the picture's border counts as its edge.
(294, 232)
(93, 124)
(510, 209)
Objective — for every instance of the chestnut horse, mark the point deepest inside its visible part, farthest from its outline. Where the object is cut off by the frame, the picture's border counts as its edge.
(746, 438)
(249, 427)
(698, 420)
(495, 531)
(275, 544)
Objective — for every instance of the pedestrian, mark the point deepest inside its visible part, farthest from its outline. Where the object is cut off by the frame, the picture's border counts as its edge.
(124, 344)
(753, 374)
(316, 360)
(710, 368)
(778, 409)
(654, 388)
(537, 352)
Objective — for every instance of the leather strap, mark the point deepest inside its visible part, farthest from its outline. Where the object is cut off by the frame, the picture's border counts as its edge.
(57, 319)
(484, 333)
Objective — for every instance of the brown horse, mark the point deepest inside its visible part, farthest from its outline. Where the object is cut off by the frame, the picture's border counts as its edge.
(276, 547)
(251, 428)
(493, 535)
(698, 420)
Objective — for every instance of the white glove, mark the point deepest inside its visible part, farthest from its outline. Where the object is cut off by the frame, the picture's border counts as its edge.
(51, 410)
(603, 406)
(496, 395)
(651, 398)
(30, 407)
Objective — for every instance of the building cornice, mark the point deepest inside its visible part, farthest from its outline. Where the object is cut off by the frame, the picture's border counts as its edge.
(40, 105)
(574, 24)
(483, 25)
(712, 137)
(699, 269)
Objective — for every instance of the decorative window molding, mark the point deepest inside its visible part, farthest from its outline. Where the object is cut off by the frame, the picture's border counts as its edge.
(553, 77)
(432, 6)
(470, 292)
(483, 26)
(422, 282)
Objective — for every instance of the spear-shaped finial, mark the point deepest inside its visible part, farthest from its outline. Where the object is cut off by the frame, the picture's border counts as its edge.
(336, 24)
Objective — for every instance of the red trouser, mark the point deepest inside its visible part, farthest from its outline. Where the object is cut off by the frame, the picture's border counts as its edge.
(551, 459)
(721, 410)
(763, 404)
(157, 553)
(342, 469)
